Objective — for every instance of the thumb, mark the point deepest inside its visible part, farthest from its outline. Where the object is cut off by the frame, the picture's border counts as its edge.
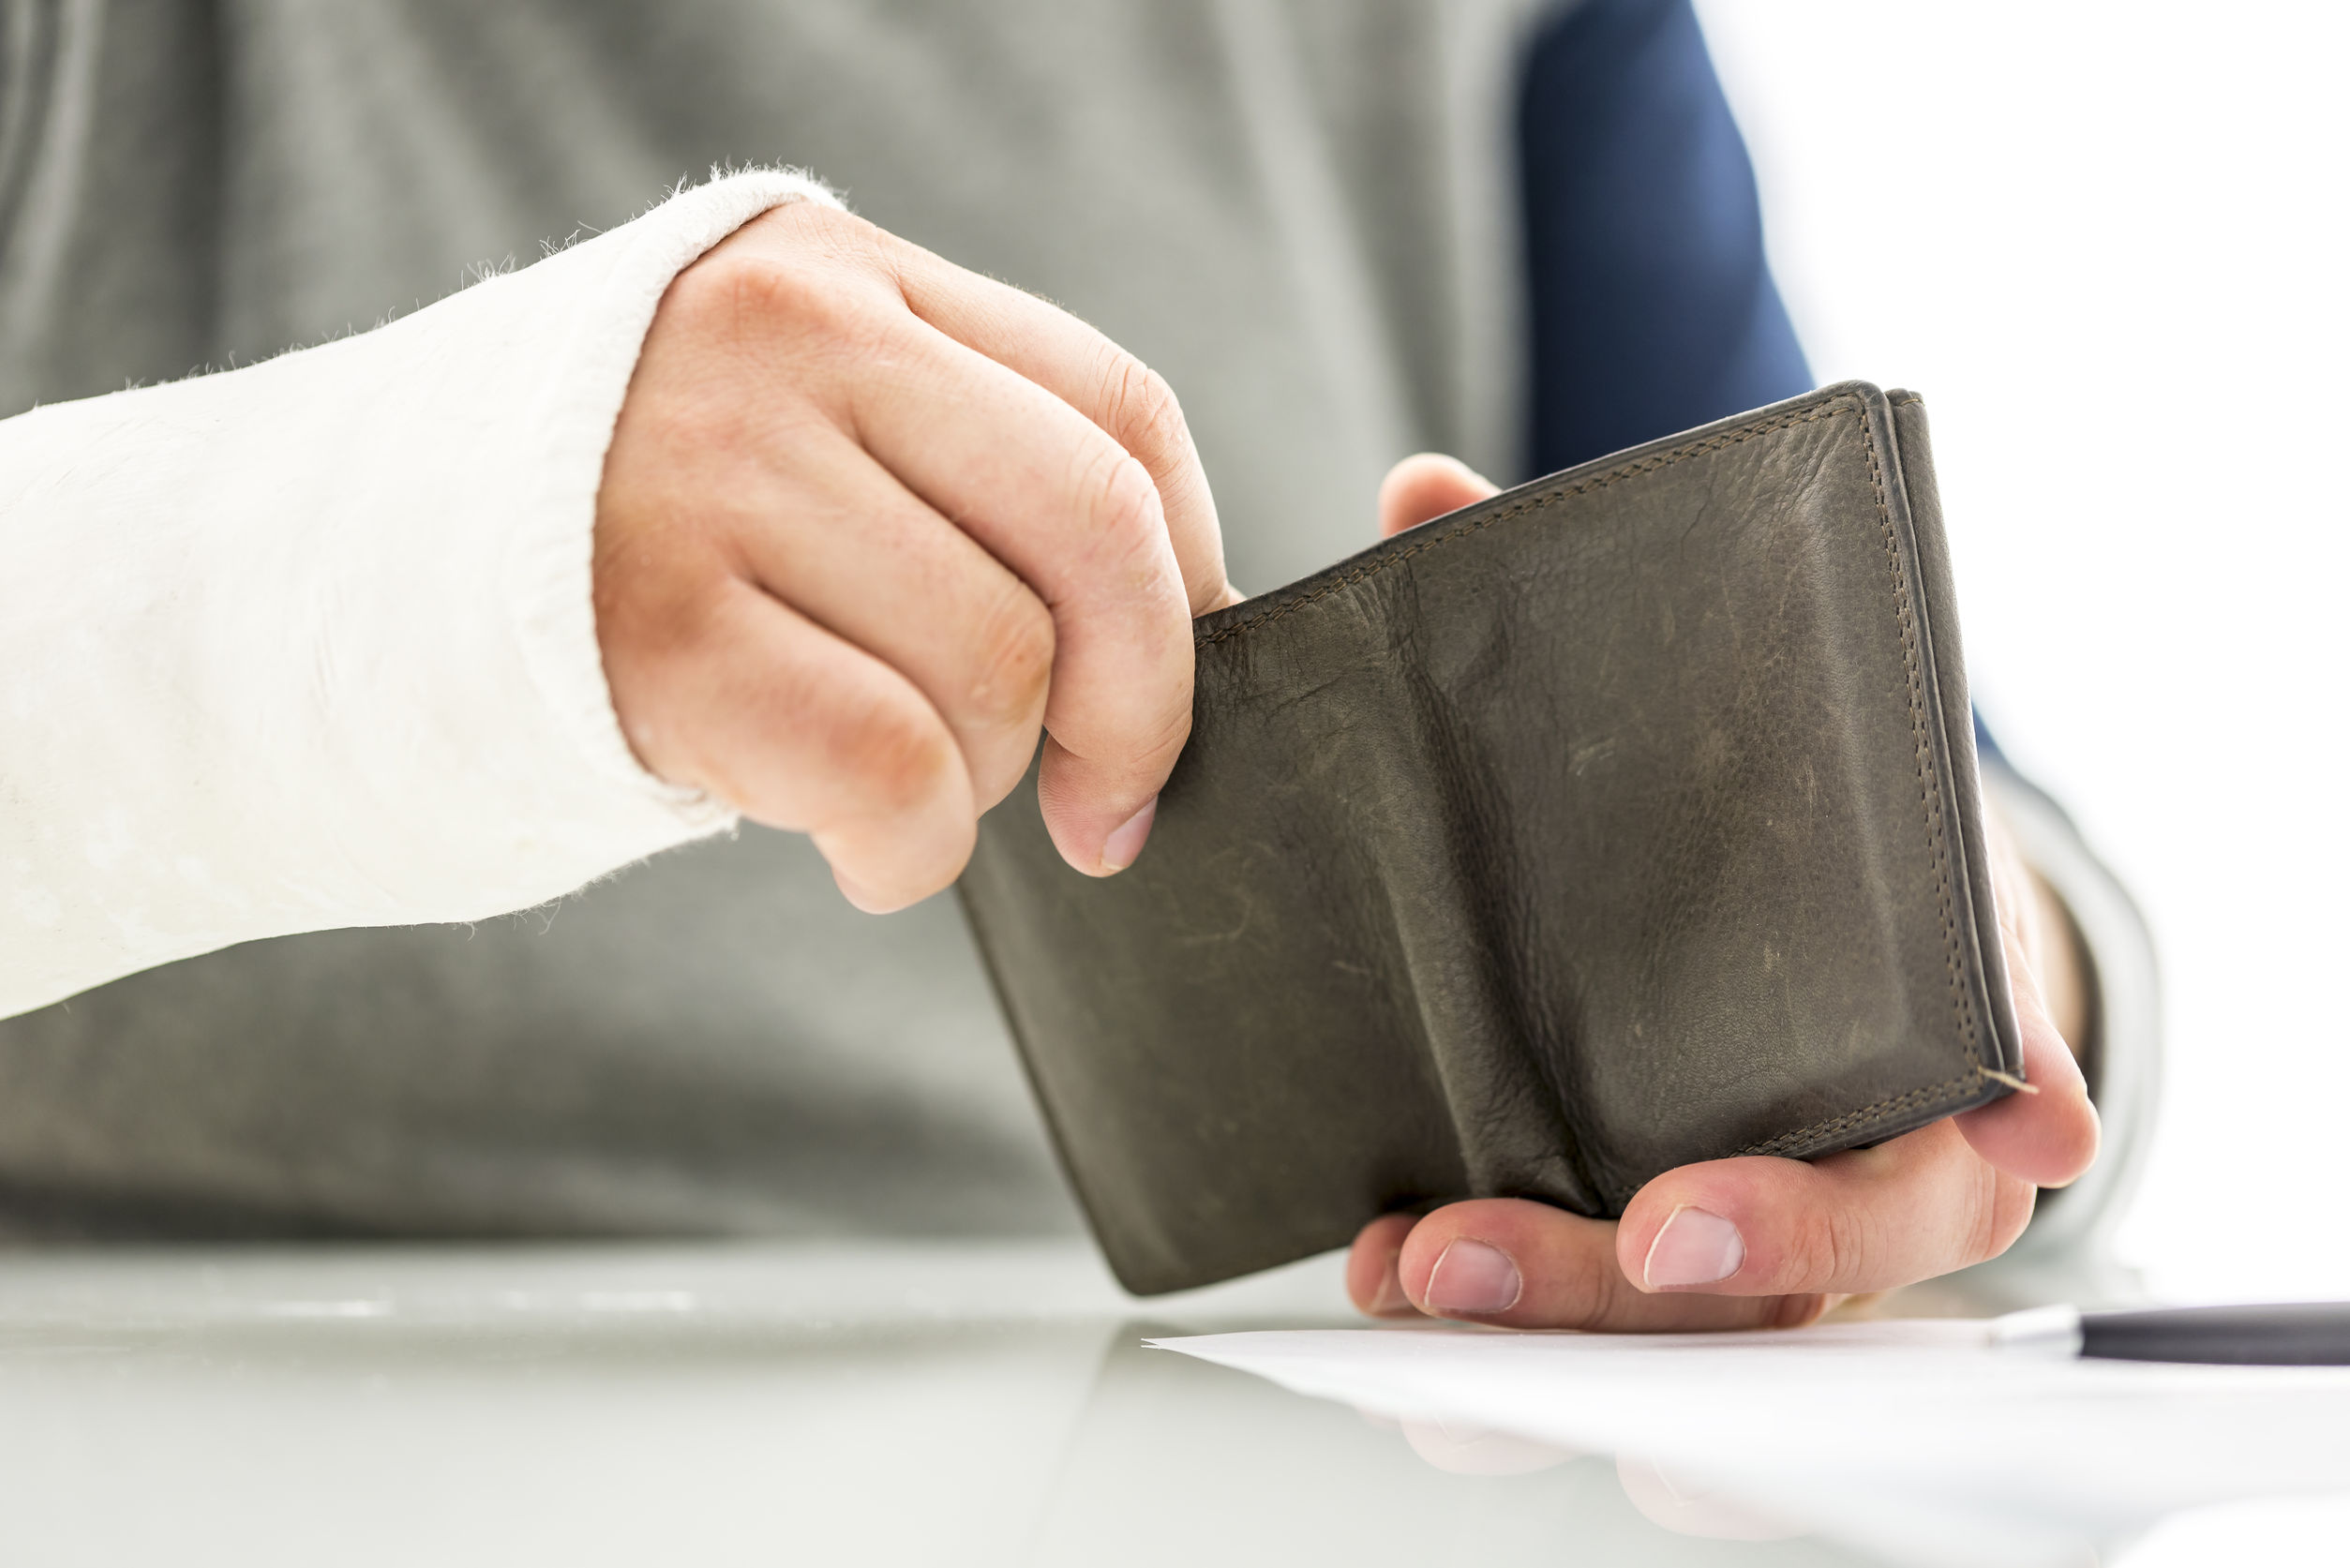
(1428, 484)
(2049, 1136)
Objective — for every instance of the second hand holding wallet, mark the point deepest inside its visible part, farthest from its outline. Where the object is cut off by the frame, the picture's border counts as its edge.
(1627, 819)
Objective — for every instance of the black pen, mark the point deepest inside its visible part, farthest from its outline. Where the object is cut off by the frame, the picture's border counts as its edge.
(2271, 1334)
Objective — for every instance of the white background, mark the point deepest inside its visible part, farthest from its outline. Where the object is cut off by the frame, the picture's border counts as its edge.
(2105, 241)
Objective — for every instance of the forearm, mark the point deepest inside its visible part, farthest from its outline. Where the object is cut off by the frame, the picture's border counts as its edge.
(312, 644)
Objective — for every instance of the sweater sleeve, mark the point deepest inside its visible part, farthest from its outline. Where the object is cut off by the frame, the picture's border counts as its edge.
(312, 644)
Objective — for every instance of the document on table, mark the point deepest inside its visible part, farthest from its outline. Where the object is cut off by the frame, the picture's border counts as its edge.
(1916, 1438)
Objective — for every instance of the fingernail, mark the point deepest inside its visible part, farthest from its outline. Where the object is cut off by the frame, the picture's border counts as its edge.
(1390, 1301)
(1695, 1248)
(1472, 1277)
(1126, 841)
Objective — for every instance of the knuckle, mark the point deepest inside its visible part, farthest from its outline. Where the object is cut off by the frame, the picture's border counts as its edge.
(1582, 1296)
(1129, 561)
(1145, 414)
(1159, 745)
(1123, 501)
(797, 293)
(1588, 1302)
(802, 273)
(1830, 1250)
(2003, 1207)
(764, 294)
(814, 229)
(1014, 664)
(657, 604)
(896, 757)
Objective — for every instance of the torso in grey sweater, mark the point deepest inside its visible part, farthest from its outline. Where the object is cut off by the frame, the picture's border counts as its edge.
(1298, 210)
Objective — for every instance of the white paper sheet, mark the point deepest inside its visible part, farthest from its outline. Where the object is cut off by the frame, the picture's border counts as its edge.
(1914, 1438)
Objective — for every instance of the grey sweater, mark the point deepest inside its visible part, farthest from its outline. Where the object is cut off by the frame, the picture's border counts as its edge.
(1298, 210)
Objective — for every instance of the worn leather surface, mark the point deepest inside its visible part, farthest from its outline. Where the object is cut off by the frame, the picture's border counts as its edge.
(1627, 819)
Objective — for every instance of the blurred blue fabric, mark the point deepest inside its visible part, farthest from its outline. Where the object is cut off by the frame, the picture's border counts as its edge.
(1653, 308)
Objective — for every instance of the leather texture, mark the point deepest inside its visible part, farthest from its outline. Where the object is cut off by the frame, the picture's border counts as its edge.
(1627, 819)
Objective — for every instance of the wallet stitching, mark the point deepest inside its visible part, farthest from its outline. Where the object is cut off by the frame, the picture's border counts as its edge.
(1937, 847)
(1915, 1099)
(1938, 841)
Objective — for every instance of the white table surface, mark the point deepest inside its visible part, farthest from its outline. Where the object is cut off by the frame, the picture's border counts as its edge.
(762, 1404)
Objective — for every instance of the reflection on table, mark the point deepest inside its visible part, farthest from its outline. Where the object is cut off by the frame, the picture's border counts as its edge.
(722, 1404)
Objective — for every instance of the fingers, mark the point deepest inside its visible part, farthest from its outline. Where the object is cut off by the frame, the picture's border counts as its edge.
(1371, 1282)
(1866, 1220)
(1522, 1265)
(1428, 484)
(1470, 1450)
(1066, 465)
(802, 731)
(1780, 1239)
(1749, 1243)
(955, 622)
(1692, 1504)
(1078, 518)
(1111, 388)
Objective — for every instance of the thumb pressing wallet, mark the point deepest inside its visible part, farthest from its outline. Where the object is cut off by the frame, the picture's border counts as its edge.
(1626, 820)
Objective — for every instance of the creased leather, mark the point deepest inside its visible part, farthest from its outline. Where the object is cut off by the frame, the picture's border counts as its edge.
(1626, 820)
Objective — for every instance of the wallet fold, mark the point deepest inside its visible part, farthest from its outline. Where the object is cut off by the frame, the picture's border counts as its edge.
(1626, 820)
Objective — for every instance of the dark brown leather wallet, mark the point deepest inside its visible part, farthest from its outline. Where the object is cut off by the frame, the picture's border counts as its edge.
(1626, 820)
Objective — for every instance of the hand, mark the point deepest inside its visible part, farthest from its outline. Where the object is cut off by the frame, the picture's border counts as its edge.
(1753, 1241)
(868, 522)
